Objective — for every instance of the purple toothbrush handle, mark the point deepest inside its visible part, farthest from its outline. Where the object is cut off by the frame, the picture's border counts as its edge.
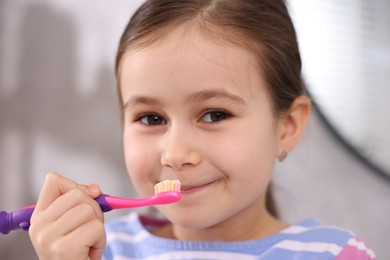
(15, 220)
(20, 219)
(104, 206)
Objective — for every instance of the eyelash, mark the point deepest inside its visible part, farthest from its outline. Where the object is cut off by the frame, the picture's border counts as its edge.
(222, 114)
(153, 116)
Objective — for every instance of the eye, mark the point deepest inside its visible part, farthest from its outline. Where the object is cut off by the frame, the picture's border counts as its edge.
(215, 116)
(152, 119)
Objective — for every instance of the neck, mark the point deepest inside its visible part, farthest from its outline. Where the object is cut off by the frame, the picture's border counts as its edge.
(253, 223)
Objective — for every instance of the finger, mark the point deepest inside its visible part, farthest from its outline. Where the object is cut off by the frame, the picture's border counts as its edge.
(93, 190)
(69, 204)
(56, 185)
(76, 217)
(87, 240)
(45, 237)
(77, 244)
(66, 203)
(53, 187)
(96, 240)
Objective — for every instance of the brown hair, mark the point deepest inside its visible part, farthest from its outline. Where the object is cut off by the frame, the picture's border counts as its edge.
(262, 26)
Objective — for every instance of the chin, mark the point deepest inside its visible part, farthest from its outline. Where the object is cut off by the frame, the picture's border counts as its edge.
(190, 219)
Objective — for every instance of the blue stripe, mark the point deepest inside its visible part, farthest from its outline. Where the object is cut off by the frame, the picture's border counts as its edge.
(279, 253)
(263, 248)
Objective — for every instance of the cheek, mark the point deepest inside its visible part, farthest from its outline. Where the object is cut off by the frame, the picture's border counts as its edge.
(140, 162)
(248, 156)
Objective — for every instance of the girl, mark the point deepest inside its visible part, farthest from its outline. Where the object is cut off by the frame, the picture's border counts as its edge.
(212, 95)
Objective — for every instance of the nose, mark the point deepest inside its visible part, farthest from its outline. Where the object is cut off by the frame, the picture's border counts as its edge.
(179, 150)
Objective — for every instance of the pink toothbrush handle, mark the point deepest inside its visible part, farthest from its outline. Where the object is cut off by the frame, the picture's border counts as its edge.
(21, 218)
(111, 202)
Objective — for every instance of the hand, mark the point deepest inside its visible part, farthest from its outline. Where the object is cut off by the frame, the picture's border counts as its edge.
(67, 222)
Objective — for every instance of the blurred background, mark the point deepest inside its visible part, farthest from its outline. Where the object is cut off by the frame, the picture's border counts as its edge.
(59, 110)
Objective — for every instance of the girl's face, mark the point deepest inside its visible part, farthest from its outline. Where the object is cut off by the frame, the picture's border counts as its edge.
(197, 110)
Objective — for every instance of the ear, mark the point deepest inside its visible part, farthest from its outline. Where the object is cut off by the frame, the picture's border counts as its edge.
(292, 125)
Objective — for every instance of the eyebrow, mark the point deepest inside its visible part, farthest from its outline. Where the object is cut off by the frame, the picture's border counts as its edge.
(197, 97)
(135, 100)
(217, 93)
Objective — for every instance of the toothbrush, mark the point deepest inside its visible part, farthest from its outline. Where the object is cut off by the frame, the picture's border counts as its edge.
(165, 192)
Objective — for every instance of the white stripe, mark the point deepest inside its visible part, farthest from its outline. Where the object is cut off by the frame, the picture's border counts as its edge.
(124, 237)
(300, 229)
(309, 247)
(202, 255)
(129, 217)
(193, 255)
(121, 258)
(371, 254)
(361, 246)
(294, 230)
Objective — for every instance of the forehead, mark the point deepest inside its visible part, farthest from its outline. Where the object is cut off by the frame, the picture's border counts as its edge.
(190, 40)
(190, 55)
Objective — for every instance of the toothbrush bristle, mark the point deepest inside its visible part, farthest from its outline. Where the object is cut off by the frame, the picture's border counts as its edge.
(167, 185)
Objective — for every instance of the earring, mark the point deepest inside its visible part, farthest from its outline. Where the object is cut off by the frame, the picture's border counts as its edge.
(282, 156)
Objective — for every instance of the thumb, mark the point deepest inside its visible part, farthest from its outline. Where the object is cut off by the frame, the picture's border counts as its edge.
(92, 189)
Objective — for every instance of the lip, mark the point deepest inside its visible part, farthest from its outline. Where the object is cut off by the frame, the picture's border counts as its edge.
(188, 189)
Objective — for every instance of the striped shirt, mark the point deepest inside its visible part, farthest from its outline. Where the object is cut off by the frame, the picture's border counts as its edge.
(129, 238)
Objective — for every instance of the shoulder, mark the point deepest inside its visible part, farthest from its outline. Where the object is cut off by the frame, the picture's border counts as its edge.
(311, 239)
(124, 234)
(356, 249)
